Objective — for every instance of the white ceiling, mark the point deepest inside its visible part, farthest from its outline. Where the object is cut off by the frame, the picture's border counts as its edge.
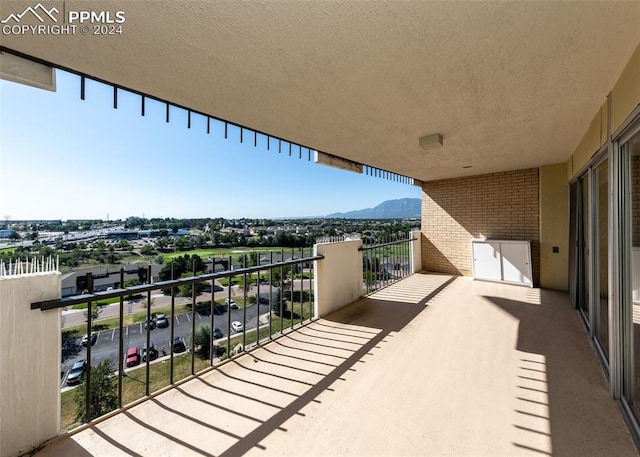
(509, 85)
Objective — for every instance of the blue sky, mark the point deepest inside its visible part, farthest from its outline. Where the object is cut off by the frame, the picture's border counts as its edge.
(64, 158)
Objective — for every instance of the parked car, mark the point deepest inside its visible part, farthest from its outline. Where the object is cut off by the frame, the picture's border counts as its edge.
(162, 321)
(153, 352)
(76, 372)
(133, 357)
(178, 344)
(231, 303)
(217, 333)
(237, 326)
(150, 323)
(93, 338)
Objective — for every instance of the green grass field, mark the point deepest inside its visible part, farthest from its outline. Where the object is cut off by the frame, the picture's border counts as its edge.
(106, 301)
(225, 252)
(134, 385)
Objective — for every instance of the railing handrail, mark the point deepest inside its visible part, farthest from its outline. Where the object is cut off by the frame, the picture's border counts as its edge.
(372, 246)
(95, 296)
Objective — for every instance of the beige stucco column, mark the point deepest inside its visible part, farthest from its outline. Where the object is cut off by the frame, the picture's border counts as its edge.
(338, 277)
(29, 362)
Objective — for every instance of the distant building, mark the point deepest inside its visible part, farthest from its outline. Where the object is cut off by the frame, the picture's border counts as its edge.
(75, 282)
(7, 233)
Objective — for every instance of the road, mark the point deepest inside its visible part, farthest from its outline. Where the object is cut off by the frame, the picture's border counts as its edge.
(107, 344)
(74, 317)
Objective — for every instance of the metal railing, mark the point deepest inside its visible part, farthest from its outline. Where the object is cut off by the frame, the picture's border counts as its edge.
(386, 262)
(24, 267)
(257, 303)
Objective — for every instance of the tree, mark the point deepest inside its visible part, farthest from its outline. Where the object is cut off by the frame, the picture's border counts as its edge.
(187, 289)
(162, 243)
(95, 313)
(147, 249)
(275, 303)
(252, 259)
(130, 283)
(201, 341)
(99, 246)
(103, 397)
(279, 275)
(144, 303)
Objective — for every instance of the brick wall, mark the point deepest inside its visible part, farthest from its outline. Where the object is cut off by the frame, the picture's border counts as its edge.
(498, 205)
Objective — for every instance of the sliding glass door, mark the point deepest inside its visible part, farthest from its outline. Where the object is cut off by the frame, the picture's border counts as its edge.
(583, 259)
(589, 250)
(630, 159)
(601, 256)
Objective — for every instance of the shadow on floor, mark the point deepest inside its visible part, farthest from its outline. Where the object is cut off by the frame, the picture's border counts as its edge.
(562, 395)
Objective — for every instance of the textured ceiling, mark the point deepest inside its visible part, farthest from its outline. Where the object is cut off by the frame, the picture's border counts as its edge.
(508, 84)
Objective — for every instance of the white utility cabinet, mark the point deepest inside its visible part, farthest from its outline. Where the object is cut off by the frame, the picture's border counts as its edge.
(506, 261)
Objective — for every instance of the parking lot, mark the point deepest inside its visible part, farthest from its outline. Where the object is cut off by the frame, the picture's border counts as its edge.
(107, 343)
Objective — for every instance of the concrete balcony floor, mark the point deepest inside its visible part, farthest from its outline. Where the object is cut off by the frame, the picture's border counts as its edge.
(432, 365)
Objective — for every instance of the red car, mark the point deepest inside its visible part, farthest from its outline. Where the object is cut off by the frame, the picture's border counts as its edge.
(133, 357)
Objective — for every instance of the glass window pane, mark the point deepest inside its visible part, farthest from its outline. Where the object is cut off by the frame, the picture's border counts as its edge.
(583, 262)
(602, 247)
(632, 150)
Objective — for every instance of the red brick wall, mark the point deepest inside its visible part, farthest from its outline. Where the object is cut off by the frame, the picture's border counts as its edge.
(498, 205)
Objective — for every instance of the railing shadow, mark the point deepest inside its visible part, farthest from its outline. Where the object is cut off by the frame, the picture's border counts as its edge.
(240, 403)
(563, 403)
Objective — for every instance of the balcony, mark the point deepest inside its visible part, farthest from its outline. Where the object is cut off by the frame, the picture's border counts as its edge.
(433, 364)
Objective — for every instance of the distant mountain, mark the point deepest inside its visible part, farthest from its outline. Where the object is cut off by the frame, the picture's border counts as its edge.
(390, 209)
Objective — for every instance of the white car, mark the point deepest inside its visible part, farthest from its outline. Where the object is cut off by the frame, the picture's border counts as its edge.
(93, 338)
(237, 326)
(231, 303)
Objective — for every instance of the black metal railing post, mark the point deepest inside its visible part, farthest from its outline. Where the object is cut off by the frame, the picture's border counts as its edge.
(270, 296)
(193, 321)
(228, 309)
(173, 312)
(245, 285)
(281, 294)
(147, 354)
(257, 305)
(121, 366)
(88, 362)
(212, 335)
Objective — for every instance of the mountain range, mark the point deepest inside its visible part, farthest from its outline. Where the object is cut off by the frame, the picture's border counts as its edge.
(389, 209)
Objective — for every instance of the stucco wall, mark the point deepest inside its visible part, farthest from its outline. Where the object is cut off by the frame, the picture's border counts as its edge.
(29, 362)
(338, 279)
(625, 97)
(416, 251)
(593, 139)
(498, 205)
(554, 227)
